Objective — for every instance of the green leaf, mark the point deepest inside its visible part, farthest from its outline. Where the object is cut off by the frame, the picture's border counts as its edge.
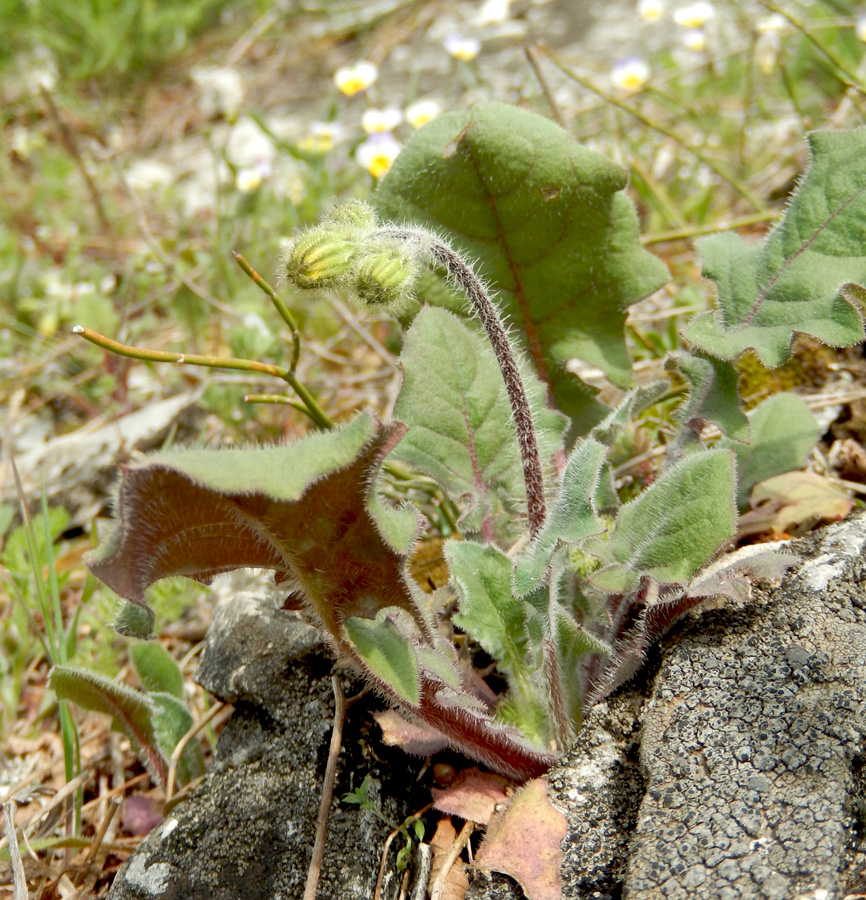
(550, 227)
(572, 646)
(487, 610)
(460, 423)
(129, 709)
(790, 283)
(387, 653)
(673, 527)
(171, 721)
(713, 395)
(571, 518)
(157, 669)
(304, 511)
(134, 621)
(783, 433)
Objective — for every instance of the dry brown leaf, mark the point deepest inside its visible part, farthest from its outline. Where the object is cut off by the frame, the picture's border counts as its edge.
(456, 880)
(473, 795)
(784, 502)
(412, 737)
(524, 843)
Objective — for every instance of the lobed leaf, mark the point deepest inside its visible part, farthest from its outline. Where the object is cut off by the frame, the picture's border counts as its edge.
(461, 430)
(300, 510)
(525, 843)
(798, 279)
(550, 227)
(673, 527)
(304, 511)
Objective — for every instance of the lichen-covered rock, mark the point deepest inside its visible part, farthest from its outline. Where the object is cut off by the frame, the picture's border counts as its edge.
(751, 741)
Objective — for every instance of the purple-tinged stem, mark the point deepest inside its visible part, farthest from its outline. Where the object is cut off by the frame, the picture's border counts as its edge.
(461, 275)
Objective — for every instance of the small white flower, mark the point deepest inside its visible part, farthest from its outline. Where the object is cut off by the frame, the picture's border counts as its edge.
(40, 69)
(767, 51)
(650, 10)
(775, 22)
(248, 145)
(695, 39)
(352, 80)
(221, 91)
(22, 143)
(421, 112)
(377, 153)
(463, 47)
(247, 181)
(378, 121)
(146, 174)
(492, 12)
(860, 28)
(695, 16)
(322, 137)
(630, 75)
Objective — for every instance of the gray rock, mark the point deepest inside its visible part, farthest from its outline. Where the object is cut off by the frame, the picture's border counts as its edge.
(751, 741)
(248, 830)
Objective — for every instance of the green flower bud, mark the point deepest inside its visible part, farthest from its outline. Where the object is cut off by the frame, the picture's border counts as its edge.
(385, 276)
(353, 212)
(322, 257)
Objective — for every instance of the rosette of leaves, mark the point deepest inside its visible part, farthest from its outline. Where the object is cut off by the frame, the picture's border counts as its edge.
(567, 604)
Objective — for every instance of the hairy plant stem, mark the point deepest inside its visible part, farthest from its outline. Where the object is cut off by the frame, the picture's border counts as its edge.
(462, 276)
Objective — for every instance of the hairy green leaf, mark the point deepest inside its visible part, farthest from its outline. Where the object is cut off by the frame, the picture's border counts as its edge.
(157, 669)
(713, 395)
(171, 721)
(487, 610)
(387, 653)
(134, 621)
(796, 280)
(571, 518)
(130, 709)
(573, 644)
(550, 227)
(673, 528)
(305, 511)
(460, 423)
(783, 433)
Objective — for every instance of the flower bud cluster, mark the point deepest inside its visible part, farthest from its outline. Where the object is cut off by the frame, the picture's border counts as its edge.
(344, 251)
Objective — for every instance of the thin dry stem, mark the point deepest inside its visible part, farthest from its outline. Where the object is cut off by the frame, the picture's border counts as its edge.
(182, 744)
(327, 791)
